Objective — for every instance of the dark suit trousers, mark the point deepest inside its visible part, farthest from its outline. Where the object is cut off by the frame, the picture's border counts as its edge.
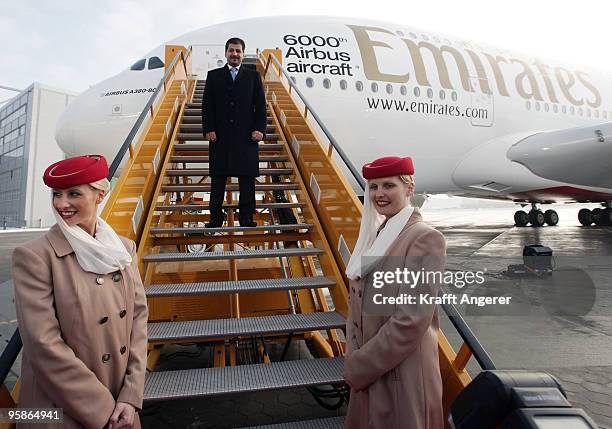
(246, 202)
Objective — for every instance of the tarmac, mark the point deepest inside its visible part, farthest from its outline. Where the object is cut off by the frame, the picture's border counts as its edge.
(574, 346)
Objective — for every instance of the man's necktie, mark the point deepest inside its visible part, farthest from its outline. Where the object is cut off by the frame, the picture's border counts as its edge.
(234, 73)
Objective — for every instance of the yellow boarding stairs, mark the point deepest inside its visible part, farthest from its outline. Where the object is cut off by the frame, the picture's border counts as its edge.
(279, 282)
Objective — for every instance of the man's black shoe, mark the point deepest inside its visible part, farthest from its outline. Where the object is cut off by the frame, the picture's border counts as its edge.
(248, 223)
(214, 224)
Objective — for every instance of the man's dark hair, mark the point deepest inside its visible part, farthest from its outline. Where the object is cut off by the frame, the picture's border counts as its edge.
(234, 41)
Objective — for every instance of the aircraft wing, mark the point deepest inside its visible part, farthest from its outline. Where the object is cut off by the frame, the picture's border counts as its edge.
(580, 156)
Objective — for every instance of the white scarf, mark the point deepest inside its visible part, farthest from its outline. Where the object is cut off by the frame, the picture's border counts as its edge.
(101, 255)
(372, 246)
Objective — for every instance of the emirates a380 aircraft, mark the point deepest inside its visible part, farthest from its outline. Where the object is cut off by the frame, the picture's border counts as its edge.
(478, 121)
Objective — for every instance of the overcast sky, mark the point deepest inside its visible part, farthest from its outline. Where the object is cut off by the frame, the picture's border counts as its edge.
(74, 44)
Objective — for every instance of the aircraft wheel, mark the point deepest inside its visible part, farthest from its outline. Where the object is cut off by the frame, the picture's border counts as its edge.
(606, 216)
(536, 218)
(597, 216)
(551, 217)
(585, 217)
(521, 218)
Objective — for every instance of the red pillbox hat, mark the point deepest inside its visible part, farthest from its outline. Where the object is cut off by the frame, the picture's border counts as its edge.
(75, 171)
(388, 166)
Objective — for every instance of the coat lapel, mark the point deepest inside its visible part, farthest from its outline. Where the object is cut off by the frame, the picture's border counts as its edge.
(58, 241)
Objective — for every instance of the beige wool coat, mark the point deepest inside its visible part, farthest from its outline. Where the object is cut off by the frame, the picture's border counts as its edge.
(84, 334)
(392, 360)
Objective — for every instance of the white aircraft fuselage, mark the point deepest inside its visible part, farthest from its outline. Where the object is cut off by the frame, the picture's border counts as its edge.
(457, 108)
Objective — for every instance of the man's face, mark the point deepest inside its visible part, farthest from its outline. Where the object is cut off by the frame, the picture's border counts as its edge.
(234, 54)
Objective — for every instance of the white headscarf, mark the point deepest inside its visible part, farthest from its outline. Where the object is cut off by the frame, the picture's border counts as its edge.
(369, 244)
(103, 254)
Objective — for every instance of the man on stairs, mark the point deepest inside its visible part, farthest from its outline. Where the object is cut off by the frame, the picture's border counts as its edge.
(234, 122)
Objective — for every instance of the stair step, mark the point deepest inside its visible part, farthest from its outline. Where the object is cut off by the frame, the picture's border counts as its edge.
(203, 159)
(238, 286)
(326, 423)
(193, 111)
(197, 128)
(202, 382)
(197, 119)
(263, 147)
(231, 254)
(205, 330)
(206, 172)
(202, 230)
(197, 207)
(231, 187)
(200, 137)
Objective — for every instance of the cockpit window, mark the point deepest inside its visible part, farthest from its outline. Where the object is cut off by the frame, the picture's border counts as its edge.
(155, 63)
(138, 65)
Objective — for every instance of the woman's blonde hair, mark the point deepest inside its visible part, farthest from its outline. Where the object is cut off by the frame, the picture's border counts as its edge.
(101, 185)
(407, 178)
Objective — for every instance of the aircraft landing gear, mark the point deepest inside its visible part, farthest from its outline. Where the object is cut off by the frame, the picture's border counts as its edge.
(535, 217)
(598, 216)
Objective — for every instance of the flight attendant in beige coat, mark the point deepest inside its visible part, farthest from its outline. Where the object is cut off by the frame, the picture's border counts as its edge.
(81, 308)
(391, 361)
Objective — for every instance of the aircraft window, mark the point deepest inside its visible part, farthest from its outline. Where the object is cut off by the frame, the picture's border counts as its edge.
(580, 111)
(442, 94)
(454, 96)
(359, 86)
(155, 63)
(374, 87)
(414, 36)
(400, 33)
(447, 42)
(537, 106)
(326, 83)
(138, 65)
(528, 105)
(572, 110)
(309, 82)
(555, 108)
(564, 109)
(424, 36)
(435, 39)
(429, 93)
(403, 90)
(417, 91)
(343, 84)
(389, 88)
(546, 108)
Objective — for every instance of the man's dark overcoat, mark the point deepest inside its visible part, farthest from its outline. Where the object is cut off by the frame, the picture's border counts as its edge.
(233, 110)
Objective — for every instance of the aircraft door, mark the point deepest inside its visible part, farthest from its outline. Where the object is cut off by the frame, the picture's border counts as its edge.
(482, 111)
(207, 57)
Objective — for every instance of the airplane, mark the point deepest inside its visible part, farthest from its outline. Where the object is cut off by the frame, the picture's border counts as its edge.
(478, 121)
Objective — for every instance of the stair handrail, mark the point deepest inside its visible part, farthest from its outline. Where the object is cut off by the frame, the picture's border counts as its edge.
(148, 109)
(467, 335)
(315, 116)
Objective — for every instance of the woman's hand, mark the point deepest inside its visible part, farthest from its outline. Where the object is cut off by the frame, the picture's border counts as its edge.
(122, 417)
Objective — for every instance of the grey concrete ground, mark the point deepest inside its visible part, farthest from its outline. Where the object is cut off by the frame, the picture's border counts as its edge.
(576, 349)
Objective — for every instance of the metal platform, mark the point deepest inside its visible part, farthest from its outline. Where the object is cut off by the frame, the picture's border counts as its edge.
(202, 382)
(203, 330)
(231, 187)
(202, 230)
(329, 423)
(235, 254)
(197, 207)
(195, 158)
(239, 286)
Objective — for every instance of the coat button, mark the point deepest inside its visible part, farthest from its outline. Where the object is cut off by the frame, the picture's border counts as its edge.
(116, 277)
(123, 349)
(122, 313)
(103, 320)
(100, 280)
(105, 357)
(231, 121)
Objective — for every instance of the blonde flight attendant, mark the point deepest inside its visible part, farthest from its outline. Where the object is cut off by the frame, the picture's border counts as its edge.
(81, 308)
(391, 361)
